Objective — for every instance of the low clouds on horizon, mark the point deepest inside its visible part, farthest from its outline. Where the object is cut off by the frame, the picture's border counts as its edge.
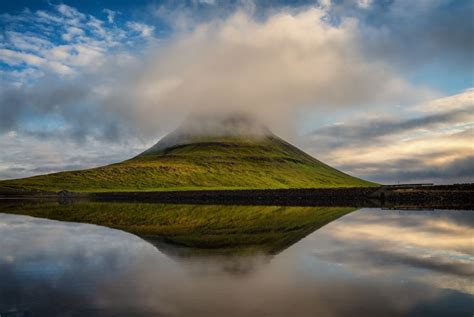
(434, 143)
(108, 85)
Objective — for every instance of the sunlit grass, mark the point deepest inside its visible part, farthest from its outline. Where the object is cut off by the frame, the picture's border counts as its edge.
(228, 164)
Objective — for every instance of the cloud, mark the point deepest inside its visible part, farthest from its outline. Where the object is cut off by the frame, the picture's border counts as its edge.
(414, 34)
(80, 265)
(69, 12)
(61, 41)
(276, 69)
(457, 170)
(464, 100)
(14, 58)
(433, 143)
(209, 2)
(143, 29)
(110, 15)
(435, 244)
(364, 4)
(285, 65)
(50, 154)
(375, 130)
(72, 32)
(27, 42)
(115, 83)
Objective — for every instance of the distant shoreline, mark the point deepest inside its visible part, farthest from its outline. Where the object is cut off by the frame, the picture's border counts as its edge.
(440, 196)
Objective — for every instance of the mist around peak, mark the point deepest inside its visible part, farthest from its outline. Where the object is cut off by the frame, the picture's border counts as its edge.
(205, 126)
(222, 125)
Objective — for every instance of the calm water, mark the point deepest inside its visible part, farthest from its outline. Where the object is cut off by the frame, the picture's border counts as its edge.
(369, 262)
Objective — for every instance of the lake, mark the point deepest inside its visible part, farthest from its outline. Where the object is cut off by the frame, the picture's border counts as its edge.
(173, 260)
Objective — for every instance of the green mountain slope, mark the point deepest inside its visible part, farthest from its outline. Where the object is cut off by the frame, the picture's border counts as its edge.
(184, 160)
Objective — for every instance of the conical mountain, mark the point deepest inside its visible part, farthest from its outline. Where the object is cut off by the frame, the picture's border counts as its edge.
(219, 152)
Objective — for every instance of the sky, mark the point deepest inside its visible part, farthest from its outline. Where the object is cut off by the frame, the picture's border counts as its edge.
(383, 90)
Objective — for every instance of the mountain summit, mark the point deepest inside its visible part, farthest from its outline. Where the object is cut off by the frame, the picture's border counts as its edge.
(200, 127)
(219, 152)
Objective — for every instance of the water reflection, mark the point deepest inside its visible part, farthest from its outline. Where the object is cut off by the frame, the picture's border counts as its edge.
(194, 230)
(368, 262)
(438, 246)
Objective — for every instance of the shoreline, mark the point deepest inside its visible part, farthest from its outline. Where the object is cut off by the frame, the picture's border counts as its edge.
(440, 196)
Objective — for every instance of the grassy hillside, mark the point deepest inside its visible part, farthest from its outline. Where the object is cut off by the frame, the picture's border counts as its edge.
(217, 163)
(230, 229)
(205, 163)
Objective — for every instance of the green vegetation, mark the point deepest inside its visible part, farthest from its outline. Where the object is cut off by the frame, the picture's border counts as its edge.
(228, 229)
(207, 163)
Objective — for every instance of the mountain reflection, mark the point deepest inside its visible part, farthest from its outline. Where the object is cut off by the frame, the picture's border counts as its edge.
(195, 230)
(367, 263)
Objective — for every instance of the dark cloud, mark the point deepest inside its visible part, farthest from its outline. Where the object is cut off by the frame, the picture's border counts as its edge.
(433, 147)
(371, 130)
(415, 33)
(55, 108)
(459, 170)
(55, 154)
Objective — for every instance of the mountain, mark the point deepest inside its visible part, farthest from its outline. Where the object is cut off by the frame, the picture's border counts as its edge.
(219, 152)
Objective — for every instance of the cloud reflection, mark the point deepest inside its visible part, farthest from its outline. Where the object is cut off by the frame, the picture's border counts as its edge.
(435, 247)
(344, 269)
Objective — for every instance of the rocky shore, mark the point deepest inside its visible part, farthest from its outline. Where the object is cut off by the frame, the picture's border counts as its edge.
(453, 196)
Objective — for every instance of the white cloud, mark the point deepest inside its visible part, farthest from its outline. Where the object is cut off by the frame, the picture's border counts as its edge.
(48, 18)
(459, 101)
(59, 68)
(26, 42)
(77, 55)
(364, 4)
(72, 32)
(325, 4)
(84, 41)
(209, 2)
(15, 58)
(97, 26)
(277, 68)
(12, 57)
(144, 29)
(69, 12)
(110, 15)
